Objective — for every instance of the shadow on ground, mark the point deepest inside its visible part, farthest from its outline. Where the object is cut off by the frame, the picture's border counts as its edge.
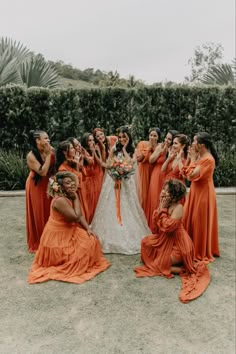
(115, 312)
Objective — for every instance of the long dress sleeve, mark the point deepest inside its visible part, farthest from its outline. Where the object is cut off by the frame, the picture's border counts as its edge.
(164, 221)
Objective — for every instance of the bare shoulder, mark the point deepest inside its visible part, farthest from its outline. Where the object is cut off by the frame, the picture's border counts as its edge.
(30, 157)
(60, 202)
(177, 212)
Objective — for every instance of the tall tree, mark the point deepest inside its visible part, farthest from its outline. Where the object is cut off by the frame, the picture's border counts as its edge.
(204, 57)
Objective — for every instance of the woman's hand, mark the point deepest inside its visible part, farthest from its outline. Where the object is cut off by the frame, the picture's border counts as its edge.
(192, 154)
(139, 155)
(48, 149)
(127, 141)
(165, 202)
(91, 233)
(172, 155)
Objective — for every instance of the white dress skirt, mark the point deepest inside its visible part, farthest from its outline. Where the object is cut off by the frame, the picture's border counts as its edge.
(122, 238)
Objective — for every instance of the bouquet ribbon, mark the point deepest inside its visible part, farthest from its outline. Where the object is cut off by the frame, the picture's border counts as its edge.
(117, 188)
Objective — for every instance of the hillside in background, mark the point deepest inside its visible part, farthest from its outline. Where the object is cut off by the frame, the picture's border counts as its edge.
(76, 78)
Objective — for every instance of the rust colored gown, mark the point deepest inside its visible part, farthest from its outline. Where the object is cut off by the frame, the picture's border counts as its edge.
(144, 172)
(66, 253)
(156, 184)
(81, 193)
(174, 173)
(92, 187)
(200, 210)
(172, 239)
(37, 207)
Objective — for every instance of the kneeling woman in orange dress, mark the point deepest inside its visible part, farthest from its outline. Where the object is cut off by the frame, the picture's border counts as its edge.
(68, 250)
(170, 251)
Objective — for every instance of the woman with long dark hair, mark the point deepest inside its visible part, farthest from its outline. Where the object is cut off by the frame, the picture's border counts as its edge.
(144, 150)
(94, 173)
(176, 158)
(119, 219)
(200, 216)
(170, 250)
(41, 162)
(157, 158)
(66, 161)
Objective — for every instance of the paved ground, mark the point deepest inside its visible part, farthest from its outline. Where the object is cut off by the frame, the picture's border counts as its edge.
(115, 312)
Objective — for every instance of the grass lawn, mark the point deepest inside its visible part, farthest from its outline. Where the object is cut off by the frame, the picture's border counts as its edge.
(115, 312)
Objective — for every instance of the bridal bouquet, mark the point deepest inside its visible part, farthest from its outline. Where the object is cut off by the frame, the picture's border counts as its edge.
(120, 168)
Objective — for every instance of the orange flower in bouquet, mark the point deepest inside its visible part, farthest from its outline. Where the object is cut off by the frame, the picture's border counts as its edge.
(119, 168)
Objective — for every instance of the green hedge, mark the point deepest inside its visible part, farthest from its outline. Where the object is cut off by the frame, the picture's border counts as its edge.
(71, 112)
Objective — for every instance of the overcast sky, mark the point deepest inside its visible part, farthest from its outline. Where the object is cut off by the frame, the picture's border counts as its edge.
(151, 39)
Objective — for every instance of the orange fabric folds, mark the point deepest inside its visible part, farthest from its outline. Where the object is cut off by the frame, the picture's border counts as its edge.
(37, 207)
(200, 210)
(117, 188)
(171, 239)
(66, 253)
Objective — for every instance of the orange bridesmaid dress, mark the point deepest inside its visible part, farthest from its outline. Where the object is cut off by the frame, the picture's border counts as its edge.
(172, 240)
(81, 193)
(66, 253)
(145, 170)
(112, 140)
(37, 206)
(155, 187)
(92, 187)
(174, 173)
(200, 210)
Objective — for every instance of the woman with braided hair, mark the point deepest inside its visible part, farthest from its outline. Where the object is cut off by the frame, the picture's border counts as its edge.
(69, 250)
(170, 250)
(200, 210)
(41, 162)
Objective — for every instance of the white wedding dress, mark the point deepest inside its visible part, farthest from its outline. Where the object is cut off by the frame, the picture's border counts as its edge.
(116, 238)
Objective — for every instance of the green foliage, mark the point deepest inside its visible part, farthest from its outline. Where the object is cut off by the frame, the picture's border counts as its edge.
(13, 170)
(221, 74)
(205, 56)
(20, 66)
(225, 172)
(64, 113)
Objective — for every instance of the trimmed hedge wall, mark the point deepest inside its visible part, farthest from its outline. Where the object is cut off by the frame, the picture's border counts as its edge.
(71, 112)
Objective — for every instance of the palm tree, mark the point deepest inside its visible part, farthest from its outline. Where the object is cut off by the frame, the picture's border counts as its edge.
(20, 66)
(220, 74)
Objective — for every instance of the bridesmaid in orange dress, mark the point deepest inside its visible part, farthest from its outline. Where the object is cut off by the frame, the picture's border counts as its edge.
(94, 173)
(143, 151)
(176, 158)
(105, 143)
(66, 161)
(157, 158)
(200, 216)
(41, 162)
(170, 250)
(68, 251)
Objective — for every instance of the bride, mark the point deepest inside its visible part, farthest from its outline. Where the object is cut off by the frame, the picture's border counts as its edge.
(125, 236)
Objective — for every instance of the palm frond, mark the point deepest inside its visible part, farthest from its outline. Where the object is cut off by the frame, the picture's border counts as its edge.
(35, 71)
(220, 74)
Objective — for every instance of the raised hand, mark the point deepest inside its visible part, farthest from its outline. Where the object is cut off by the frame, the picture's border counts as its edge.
(127, 141)
(165, 202)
